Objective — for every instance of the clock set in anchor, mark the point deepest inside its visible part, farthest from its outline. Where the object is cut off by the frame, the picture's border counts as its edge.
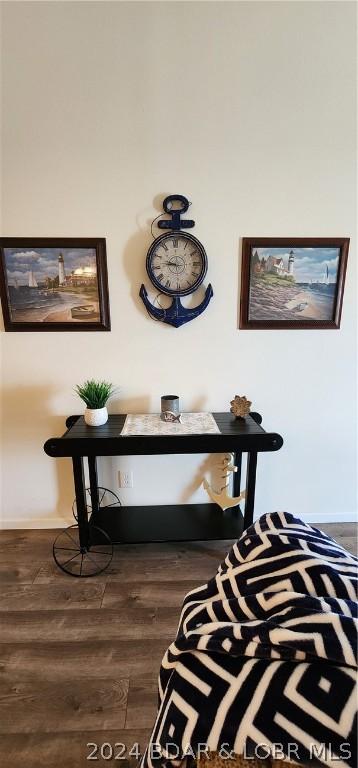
(176, 265)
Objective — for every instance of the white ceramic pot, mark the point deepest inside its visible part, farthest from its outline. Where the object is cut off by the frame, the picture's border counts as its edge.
(95, 417)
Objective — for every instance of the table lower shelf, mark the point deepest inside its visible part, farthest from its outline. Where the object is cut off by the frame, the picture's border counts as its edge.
(174, 522)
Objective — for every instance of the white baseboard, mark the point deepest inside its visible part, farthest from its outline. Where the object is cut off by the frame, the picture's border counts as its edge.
(53, 522)
(348, 517)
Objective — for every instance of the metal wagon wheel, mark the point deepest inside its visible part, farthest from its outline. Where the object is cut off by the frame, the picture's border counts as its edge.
(107, 498)
(82, 561)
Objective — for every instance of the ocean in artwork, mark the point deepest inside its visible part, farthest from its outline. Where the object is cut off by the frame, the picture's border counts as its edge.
(293, 284)
(52, 285)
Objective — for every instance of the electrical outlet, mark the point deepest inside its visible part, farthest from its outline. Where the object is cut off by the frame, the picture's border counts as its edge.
(125, 479)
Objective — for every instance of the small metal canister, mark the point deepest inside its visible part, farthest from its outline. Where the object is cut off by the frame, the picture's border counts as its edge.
(170, 403)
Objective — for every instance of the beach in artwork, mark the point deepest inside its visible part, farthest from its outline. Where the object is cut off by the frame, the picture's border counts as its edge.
(293, 284)
(52, 285)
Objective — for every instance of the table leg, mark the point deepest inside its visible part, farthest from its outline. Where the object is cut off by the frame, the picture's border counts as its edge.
(250, 488)
(236, 483)
(80, 490)
(93, 478)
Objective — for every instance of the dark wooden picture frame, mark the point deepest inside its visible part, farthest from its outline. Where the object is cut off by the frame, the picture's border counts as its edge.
(272, 298)
(35, 287)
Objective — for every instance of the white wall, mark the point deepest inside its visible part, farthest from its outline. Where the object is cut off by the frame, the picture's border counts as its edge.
(248, 108)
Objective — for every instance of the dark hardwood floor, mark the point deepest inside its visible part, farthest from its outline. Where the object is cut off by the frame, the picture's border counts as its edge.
(79, 658)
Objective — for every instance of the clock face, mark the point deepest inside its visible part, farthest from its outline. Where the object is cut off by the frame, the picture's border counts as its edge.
(176, 263)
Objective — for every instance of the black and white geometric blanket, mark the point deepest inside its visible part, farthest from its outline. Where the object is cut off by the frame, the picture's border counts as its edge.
(265, 658)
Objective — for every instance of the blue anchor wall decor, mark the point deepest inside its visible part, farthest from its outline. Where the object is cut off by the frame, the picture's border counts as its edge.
(176, 265)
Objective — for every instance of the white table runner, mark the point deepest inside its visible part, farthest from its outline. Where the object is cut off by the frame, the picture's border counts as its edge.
(151, 424)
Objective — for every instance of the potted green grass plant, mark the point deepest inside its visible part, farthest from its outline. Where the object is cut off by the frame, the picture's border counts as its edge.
(96, 395)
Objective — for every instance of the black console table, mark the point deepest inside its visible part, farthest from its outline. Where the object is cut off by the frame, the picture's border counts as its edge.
(86, 549)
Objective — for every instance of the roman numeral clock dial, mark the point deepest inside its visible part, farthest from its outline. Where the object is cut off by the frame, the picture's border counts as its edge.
(176, 265)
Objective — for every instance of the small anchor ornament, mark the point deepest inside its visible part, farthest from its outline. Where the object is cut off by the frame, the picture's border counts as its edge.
(176, 265)
(223, 498)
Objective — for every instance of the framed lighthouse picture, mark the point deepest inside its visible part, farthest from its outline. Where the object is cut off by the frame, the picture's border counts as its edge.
(292, 282)
(49, 284)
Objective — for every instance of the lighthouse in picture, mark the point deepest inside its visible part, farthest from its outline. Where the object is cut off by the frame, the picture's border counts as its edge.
(291, 259)
(61, 270)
